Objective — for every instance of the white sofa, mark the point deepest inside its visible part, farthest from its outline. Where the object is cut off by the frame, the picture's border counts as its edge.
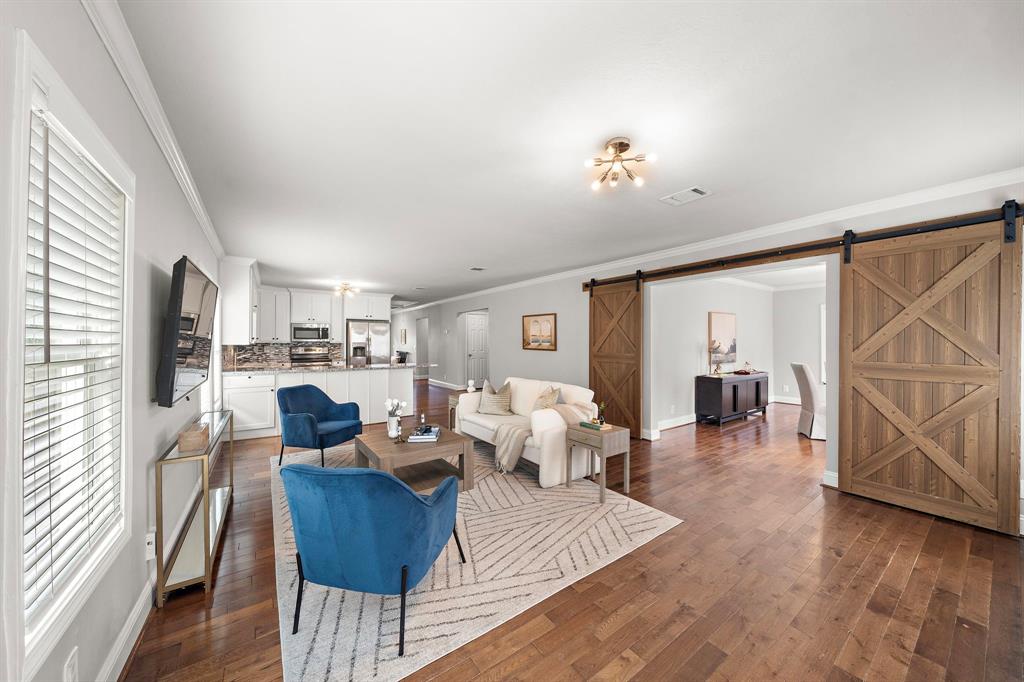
(546, 445)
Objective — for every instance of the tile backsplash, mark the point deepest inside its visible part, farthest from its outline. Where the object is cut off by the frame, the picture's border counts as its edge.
(269, 355)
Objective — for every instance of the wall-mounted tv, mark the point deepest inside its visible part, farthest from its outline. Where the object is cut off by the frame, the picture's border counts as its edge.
(188, 334)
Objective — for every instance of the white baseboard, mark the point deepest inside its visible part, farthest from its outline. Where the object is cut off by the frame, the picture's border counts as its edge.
(122, 648)
(783, 399)
(445, 384)
(681, 420)
(650, 434)
(830, 478)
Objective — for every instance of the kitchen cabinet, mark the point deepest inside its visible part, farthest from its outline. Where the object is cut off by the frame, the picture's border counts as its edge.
(273, 316)
(378, 394)
(337, 319)
(318, 379)
(253, 400)
(368, 307)
(310, 306)
(359, 391)
(337, 386)
(400, 387)
(238, 281)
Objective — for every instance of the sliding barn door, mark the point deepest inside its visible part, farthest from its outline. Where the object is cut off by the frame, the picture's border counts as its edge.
(616, 352)
(930, 374)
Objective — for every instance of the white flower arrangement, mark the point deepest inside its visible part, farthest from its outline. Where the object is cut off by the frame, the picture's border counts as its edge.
(395, 407)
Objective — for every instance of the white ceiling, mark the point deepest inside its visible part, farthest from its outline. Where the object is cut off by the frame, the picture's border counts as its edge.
(396, 145)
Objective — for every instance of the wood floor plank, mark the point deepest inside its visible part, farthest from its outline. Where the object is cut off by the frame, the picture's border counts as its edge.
(770, 577)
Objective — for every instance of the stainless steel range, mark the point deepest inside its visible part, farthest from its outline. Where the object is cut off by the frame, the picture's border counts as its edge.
(310, 356)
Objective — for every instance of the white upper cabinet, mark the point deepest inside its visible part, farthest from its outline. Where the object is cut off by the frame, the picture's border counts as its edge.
(239, 324)
(311, 306)
(368, 307)
(273, 316)
(337, 319)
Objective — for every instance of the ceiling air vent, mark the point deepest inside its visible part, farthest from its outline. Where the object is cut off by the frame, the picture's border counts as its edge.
(685, 196)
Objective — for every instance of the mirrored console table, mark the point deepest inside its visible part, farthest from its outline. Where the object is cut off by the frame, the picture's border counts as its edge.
(191, 559)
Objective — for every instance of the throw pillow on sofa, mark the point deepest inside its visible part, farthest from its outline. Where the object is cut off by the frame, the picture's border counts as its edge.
(495, 401)
(548, 398)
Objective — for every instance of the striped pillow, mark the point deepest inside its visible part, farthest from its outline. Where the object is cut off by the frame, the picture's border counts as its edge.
(548, 398)
(495, 402)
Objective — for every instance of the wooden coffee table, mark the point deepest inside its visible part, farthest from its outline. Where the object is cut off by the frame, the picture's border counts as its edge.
(376, 450)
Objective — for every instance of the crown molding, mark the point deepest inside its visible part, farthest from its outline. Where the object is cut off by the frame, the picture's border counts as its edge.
(113, 30)
(950, 190)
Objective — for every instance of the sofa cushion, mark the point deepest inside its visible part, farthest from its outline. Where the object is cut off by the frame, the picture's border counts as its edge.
(491, 421)
(495, 401)
(524, 394)
(572, 394)
(548, 398)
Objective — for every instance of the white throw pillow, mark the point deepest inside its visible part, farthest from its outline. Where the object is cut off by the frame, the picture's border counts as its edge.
(495, 402)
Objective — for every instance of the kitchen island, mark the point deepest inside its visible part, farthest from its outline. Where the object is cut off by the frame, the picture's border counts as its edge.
(252, 393)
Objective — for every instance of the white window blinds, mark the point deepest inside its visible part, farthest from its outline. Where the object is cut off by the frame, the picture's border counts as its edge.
(73, 334)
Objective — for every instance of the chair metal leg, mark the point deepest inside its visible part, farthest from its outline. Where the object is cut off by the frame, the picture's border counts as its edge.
(322, 465)
(298, 598)
(458, 544)
(281, 456)
(401, 621)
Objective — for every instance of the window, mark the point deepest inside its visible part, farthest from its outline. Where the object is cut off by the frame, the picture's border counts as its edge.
(72, 454)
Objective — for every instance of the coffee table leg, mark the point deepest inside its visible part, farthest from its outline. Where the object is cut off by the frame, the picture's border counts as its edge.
(361, 460)
(603, 469)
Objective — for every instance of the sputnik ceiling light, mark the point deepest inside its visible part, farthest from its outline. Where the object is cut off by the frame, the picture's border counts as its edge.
(346, 289)
(616, 147)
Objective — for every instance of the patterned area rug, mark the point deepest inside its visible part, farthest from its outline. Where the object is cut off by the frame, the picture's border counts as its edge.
(523, 543)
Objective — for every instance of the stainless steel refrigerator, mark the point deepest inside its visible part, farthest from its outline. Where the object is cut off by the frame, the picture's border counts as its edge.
(369, 343)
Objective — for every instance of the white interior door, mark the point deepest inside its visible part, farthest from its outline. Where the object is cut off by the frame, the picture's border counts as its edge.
(476, 347)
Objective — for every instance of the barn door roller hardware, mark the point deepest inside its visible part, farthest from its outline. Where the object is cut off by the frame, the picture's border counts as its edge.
(1010, 213)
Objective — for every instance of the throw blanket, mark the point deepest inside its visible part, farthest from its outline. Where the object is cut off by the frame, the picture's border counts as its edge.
(509, 439)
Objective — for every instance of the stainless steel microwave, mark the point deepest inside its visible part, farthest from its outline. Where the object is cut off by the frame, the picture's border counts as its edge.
(311, 332)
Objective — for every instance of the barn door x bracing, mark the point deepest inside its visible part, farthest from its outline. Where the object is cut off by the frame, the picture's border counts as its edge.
(930, 374)
(616, 351)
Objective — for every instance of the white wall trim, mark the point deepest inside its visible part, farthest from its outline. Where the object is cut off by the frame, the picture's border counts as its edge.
(737, 281)
(830, 478)
(113, 30)
(673, 422)
(125, 642)
(953, 189)
(650, 434)
(784, 399)
(445, 384)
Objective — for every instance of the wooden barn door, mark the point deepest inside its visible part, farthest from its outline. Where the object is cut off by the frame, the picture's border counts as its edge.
(930, 374)
(616, 352)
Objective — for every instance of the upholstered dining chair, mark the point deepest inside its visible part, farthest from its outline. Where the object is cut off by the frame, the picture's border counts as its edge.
(812, 403)
(367, 531)
(310, 419)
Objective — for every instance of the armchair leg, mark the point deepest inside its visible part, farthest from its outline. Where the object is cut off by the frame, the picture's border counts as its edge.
(458, 544)
(280, 457)
(401, 621)
(298, 598)
(322, 465)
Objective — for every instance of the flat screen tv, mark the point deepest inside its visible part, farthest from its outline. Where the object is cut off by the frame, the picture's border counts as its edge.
(187, 339)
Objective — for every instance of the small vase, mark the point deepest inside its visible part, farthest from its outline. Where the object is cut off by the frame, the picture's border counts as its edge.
(394, 427)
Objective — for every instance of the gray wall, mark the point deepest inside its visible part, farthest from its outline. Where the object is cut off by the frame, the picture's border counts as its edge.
(678, 350)
(797, 337)
(165, 228)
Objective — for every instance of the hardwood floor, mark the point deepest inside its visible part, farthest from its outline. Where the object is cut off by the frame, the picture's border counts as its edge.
(770, 576)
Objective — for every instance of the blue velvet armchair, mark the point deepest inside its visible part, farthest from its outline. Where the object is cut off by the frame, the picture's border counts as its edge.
(365, 530)
(310, 419)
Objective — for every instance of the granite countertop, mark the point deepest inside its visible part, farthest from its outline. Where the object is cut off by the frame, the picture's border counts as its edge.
(333, 368)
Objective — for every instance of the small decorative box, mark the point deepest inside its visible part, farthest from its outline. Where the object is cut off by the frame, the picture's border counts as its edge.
(195, 438)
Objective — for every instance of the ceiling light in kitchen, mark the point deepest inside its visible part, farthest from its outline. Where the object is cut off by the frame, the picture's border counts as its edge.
(346, 289)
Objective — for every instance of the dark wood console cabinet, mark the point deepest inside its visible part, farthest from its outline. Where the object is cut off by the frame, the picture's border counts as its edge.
(724, 397)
